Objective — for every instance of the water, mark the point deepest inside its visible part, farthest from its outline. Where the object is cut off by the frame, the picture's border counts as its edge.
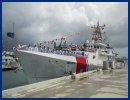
(13, 78)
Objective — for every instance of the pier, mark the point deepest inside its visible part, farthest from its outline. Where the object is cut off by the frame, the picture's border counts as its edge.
(93, 84)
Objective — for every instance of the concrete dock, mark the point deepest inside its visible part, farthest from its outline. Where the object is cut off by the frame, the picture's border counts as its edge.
(96, 84)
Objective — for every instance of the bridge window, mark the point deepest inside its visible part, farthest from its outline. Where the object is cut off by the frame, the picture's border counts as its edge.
(97, 46)
(94, 46)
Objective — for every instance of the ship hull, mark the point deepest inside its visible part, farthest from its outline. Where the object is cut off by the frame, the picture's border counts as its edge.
(43, 66)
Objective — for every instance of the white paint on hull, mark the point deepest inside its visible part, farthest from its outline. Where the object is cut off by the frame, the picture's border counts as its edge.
(40, 66)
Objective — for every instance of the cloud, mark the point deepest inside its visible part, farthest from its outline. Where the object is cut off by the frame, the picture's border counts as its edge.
(36, 21)
(122, 51)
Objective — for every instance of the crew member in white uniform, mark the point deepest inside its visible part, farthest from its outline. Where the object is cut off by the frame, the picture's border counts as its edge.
(29, 48)
(35, 48)
(40, 49)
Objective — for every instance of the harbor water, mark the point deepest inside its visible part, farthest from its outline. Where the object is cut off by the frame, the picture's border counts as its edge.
(13, 78)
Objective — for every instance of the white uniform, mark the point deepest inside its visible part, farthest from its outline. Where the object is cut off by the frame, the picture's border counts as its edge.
(40, 49)
(30, 48)
(60, 52)
(36, 49)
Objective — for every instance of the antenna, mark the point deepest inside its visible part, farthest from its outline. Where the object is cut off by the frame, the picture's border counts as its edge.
(98, 34)
(14, 39)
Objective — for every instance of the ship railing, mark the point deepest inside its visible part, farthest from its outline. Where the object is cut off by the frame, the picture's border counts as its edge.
(59, 52)
(103, 51)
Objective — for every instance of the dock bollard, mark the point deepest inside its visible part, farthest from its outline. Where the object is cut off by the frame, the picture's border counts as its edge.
(73, 77)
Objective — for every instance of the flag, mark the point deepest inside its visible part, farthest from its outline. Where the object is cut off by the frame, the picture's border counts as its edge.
(10, 34)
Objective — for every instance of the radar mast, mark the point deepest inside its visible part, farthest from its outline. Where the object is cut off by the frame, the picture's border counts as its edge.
(98, 33)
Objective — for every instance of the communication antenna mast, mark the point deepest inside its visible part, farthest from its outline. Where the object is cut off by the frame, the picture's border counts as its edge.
(97, 33)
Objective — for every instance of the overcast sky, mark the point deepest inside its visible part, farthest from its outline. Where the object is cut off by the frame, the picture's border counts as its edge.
(36, 22)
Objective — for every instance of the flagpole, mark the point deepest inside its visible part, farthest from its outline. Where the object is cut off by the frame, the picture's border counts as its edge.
(13, 27)
(13, 39)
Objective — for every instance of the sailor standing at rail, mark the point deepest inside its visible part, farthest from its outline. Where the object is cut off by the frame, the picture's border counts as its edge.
(35, 48)
(54, 52)
(49, 50)
(29, 48)
(40, 48)
(46, 49)
(60, 52)
(43, 48)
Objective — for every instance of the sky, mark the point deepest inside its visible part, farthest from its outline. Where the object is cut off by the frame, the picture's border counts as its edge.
(45, 21)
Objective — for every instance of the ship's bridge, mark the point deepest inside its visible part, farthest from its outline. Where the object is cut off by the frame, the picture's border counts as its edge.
(96, 46)
(102, 46)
